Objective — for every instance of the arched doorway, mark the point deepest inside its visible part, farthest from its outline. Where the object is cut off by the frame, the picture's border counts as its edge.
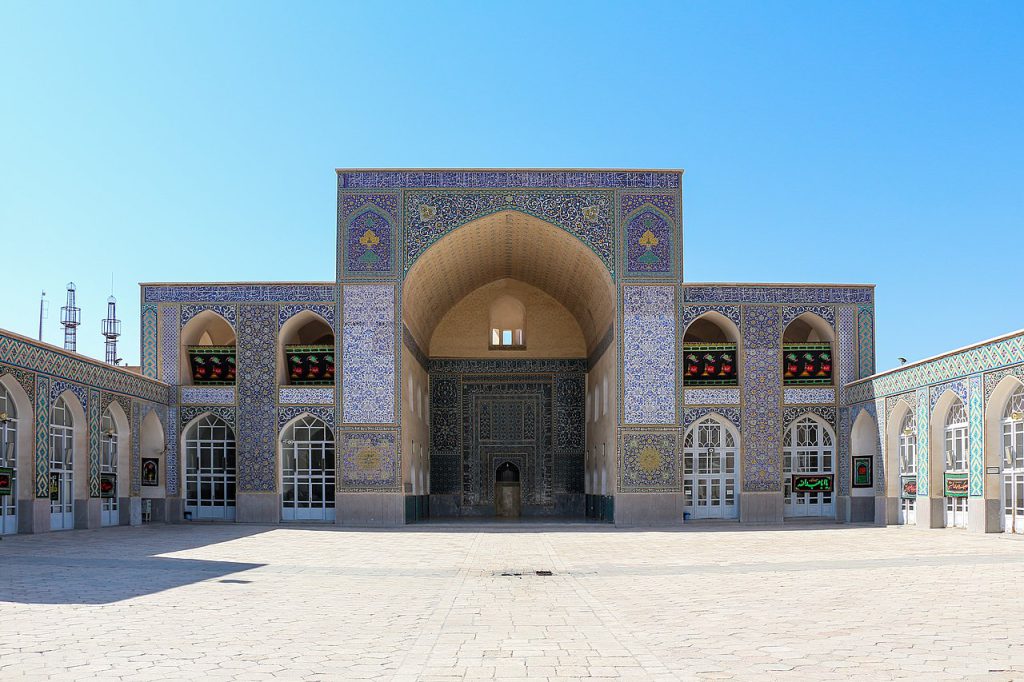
(507, 491)
(8, 462)
(114, 474)
(1013, 462)
(66, 418)
(307, 471)
(210, 473)
(955, 465)
(711, 469)
(509, 319)
(808, 468)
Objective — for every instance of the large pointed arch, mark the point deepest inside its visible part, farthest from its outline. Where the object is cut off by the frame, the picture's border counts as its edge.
(24, 450)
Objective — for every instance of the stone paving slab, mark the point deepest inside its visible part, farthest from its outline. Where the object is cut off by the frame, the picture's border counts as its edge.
(239, 602)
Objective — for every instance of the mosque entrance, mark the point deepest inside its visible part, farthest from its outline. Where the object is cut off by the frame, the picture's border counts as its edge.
(507, 491)
(506, 320)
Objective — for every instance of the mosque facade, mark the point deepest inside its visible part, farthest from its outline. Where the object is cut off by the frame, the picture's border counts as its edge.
(509, 343)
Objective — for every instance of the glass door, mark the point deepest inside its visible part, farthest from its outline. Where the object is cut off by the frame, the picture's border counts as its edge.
(62, 491)
(710, 458)
(307, 471)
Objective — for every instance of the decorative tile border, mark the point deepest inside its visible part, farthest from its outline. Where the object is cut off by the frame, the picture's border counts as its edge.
(711, 396)
(208, 395)
(690, 313)
(190, 412)
(825, 312)
(909, 398)
(791, 414)
(325, 311)
(188, 311)
(58, 386)
(170, 332)
(238, 293)
(257, 388)
(324, 414)
(24, 354)
(693, 415)
(923, 433)
(149, 340)
(975, 360)
(305, 395)
(755, 294)
(847, 332)
(976, 437)
(511, 179)
(808, 396)
(42, 440)
(866, 340)
(171, 459)
(367, 233)
(94, 443)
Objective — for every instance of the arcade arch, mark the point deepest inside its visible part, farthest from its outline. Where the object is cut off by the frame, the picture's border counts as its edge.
(711, 348)
(711, 469)
(207, 353)
(506, 271)
(210, 468)
(1004, 451)
(69, 448)
(115, 439)
(308, 470)
(808, 342)
(949, 457)
(305, 354)
(809, 450)
(901, 464)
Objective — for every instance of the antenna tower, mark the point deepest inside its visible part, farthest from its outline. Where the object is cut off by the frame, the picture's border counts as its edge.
(111, 330)
(70, 318)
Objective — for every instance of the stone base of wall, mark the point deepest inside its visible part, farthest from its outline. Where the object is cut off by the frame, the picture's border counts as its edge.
(983, 516)
(87, 513)
(649, 509)
(173, 510)
(855, 509)
(257, 508)
(931, 512)
(34, 516)
(881, 510)
(375, 510)
(761, 507)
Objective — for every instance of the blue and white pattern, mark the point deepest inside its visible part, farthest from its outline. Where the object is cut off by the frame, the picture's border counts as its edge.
(323, 310)
(923, 433)
(370, 461)
(238, 293)
(189, 311)
(762, 384)
(739, 293)
(305, 395)
(257, 435)
(692, 312)
(692, 415)
(649, 461)
(847, 372)
(170, 328)
(711, 396)
(286, 414)
(825, 312)
(368, 354)
(809, 396)
(58, 386)
(957, 387)
(171, 451)
(512, 179)
(207, 395)
(648, 355)
(976, 437)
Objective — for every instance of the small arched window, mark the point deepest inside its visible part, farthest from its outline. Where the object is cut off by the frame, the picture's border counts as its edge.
(508, 324)
(807, 352)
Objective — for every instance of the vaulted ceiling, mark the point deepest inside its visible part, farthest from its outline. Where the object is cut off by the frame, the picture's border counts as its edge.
(509, 244)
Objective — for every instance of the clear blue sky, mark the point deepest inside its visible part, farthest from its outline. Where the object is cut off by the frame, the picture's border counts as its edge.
(873, 142)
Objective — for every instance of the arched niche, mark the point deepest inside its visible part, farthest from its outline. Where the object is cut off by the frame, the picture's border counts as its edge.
(209, 333)
(122, 431)
(305, 349)
(80, 441)
(808, 345)
(152, 445)
(24, 450)
(808, 328)
(863, 443)
(995, 415)
(893, 433)
(711, 351)
(507, 326)
(947, 402)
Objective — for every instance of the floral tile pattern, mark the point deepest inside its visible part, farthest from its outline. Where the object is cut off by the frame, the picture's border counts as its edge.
(370, 461)
(299, 395)
(762, 462)
(711, 396)
(368, 354)
(367, 241)
(808, 396)
(208, 395)
(649, 355)
(257, 434)
(649, 461)
(648, 231)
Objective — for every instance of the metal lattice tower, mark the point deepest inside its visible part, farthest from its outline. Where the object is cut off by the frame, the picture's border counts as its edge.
(111, 330)
(70, 318)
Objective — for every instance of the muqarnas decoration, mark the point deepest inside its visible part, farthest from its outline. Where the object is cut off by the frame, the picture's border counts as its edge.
(711, 364)
(212, 365)
(807, 364)
(369, 242)
(310, 365)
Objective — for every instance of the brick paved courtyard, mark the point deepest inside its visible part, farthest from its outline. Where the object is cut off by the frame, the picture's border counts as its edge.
(240, 602)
